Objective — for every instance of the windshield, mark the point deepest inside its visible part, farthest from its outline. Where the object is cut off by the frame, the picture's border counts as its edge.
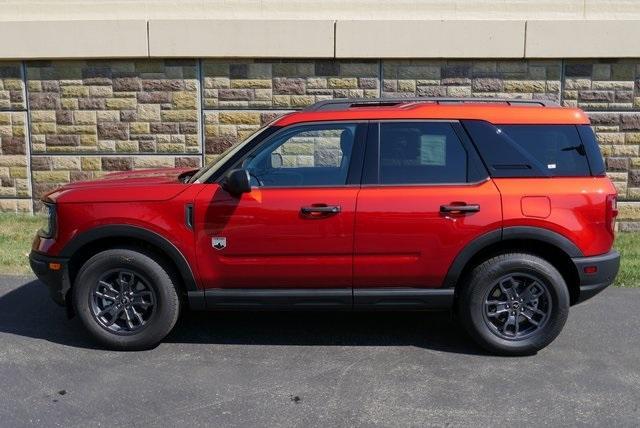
(205, 172)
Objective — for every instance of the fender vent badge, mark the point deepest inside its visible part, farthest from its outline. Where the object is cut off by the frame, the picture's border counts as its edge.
(219, 242)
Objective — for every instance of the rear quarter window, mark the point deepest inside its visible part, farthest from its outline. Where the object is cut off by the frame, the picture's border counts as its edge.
(536, 150)
(588, 137)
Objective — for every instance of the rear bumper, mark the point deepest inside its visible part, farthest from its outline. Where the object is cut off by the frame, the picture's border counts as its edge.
(57, 280)
(607, 266)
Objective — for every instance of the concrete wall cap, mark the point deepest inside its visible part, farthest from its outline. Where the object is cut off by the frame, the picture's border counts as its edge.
(241, 38)
(319, 9)
(583, 39)
(73, 39)
(265, 38)
(430, 39)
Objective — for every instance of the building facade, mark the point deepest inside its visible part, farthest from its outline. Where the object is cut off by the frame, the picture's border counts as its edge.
(99, 87)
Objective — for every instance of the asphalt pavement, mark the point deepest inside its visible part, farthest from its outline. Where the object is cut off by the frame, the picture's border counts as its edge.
(315, 369)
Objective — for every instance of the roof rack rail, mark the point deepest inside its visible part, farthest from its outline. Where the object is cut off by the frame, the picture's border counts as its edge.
(345, 103)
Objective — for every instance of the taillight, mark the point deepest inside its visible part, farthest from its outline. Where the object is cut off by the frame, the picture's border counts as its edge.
(612, 212)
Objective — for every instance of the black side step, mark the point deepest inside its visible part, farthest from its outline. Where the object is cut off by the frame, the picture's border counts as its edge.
(321, 298)
(402, 298)
(333, 299)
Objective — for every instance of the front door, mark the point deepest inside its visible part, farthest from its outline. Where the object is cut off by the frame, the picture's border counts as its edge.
(295, 228)
(425, 195)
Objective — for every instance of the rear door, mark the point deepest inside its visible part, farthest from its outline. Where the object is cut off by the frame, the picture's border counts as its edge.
(425, 196)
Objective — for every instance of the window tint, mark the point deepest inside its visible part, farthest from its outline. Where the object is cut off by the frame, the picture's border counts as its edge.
(530, 150)
(596, 163)
(310, 155)
(421, 153)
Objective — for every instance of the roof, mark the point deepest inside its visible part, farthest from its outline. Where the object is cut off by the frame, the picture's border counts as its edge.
(497, 112)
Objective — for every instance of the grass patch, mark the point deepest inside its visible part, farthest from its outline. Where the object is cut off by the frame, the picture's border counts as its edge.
(628, 244)
(16, 235)
(17, 232)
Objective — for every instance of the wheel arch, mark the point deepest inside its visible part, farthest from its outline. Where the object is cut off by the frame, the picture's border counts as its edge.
(89, 243)
(544, 243)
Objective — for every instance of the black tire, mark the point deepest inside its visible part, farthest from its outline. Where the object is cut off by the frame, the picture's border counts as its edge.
(154, 297)
(485, 296)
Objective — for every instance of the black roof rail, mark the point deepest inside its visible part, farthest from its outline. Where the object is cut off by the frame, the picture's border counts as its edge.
(345, 103)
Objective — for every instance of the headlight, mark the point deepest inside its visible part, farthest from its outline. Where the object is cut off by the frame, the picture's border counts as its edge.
(48, 228)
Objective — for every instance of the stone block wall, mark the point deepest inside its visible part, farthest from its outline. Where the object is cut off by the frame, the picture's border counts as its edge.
(12, 95)
(114, 107)
(88, 118)
(462, 79)
(15, 186)
(225, 128)
(602, 86)
(63, 121)
(264, 84)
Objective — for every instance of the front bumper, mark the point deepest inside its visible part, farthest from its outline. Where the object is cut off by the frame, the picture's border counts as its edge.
(606, 265)
(56, 279)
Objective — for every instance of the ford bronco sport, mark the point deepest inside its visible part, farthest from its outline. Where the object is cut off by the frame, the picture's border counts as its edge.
(497, 209)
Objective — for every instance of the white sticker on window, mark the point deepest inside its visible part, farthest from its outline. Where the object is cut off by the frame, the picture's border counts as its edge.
(432, 149)
(551, 166)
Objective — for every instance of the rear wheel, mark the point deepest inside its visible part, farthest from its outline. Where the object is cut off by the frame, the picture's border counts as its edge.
(126, 299)
(514, 304)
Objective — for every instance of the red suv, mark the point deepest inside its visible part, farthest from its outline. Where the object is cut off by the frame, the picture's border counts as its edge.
(497, 209)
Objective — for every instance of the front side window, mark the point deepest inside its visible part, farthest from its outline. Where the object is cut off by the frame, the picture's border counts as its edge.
(421, 153)
(212, 169)
(308, 155)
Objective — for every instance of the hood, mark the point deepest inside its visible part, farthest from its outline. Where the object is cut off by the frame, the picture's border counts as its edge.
(144, 176)
(127, 186)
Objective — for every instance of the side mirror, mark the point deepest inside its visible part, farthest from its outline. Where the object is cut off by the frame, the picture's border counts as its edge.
(237, 182)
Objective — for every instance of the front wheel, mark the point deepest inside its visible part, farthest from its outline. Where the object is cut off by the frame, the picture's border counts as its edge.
(514, 304)
(126, 299)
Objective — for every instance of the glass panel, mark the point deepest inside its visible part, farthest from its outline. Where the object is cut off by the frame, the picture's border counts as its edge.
(421, 152)
(309, 155)
(531, 150)
(557, 148)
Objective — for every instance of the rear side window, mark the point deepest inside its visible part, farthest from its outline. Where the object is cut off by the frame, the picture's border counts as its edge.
(421, 153)
(533, 150)
(593, 150)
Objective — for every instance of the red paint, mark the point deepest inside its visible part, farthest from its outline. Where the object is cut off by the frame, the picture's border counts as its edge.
(383, 236)
(269, 243)
(162, 216)
(578, 207)
(402, 239)
(132, 186)
(494, 113)
(535, 206)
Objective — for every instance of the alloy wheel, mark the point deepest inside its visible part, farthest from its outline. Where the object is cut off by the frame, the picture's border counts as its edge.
(122, 302)
(517, 306)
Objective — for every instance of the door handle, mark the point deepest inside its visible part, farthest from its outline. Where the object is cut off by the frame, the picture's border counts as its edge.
(320, 209)
(460, 208)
